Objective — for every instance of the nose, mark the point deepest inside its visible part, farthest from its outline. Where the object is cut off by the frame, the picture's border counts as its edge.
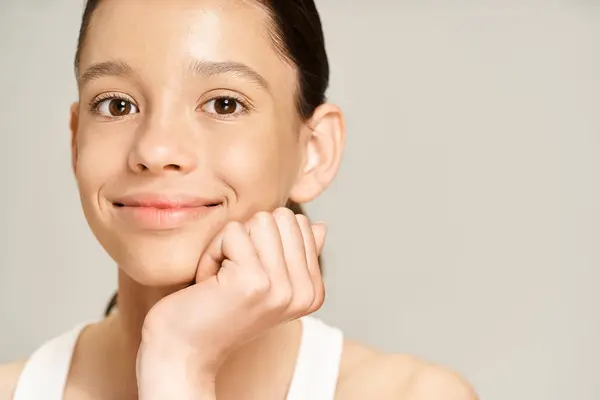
(158, 151)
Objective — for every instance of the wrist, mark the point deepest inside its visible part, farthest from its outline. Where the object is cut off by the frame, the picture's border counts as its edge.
(173, 373)
(199, 355)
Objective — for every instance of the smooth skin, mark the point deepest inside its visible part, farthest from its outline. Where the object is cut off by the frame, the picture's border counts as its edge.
(192, 100)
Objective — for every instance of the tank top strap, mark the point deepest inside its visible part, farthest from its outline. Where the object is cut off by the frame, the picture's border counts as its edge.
(317, 366)
(45, 373)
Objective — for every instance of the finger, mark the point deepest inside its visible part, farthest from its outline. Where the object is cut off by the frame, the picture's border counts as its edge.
(264, 234)
(295, 258)
(232, 244)
(314, 239)
(320, 233)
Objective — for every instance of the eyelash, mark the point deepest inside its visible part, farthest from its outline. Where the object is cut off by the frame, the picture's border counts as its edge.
(246, 107)
(95, 103)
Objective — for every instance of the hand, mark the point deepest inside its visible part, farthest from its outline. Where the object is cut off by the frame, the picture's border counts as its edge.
(250, 278)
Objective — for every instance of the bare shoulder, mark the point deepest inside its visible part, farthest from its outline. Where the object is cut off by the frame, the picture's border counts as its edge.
(9, 375)
(367, 373)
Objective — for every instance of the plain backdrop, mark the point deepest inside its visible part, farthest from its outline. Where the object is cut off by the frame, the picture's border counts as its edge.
(465, 221)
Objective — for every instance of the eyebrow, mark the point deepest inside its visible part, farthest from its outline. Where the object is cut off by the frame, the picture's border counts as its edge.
(212, 68)
(205, 69)
(107, 68)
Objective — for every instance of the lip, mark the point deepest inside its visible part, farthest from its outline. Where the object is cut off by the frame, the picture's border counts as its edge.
(152, 211)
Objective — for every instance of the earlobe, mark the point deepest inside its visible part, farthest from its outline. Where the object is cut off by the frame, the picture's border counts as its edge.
(74, 127)
(323, 153)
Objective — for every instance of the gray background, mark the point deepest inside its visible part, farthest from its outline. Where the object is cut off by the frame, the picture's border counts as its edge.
(464, 223)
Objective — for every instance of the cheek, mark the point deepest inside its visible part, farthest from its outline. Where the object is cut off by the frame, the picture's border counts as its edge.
(99, 159)
(260, 170)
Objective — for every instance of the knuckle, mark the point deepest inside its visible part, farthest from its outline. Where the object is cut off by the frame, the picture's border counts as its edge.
(319, 301)
(262, 219)
(281, 299)
(319, 297)
(315, 307)
(305, 302)
(263, 216)
(256, 287)
(283, 212)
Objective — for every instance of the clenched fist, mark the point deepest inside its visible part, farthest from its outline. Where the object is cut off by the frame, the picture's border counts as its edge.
(250, 278)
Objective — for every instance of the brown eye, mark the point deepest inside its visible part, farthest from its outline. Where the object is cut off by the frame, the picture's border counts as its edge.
(116, 107)
(223, 106)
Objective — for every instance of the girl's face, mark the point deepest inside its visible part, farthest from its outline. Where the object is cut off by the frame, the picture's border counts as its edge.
(182, 104)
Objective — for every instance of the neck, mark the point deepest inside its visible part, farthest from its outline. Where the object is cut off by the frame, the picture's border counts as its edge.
(113, 343)
(120, 334)
(133, 304)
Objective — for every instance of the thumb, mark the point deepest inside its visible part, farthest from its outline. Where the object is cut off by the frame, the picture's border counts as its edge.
(319, 232)
(211, 259)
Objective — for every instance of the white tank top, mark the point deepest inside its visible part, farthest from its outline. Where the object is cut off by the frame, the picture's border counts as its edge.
(315, 375)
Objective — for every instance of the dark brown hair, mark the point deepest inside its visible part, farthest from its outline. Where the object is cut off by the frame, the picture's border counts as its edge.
(297, 35)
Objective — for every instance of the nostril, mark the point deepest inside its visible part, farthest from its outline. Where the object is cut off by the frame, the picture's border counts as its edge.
(173, 166)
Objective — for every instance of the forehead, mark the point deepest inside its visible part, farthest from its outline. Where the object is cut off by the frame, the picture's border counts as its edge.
(159, 37)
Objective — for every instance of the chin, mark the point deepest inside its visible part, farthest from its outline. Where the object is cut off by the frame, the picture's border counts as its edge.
(157, 272)
(158, 261)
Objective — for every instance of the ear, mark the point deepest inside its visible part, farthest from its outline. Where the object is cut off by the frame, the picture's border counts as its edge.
(74, 126)
(324, 138)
